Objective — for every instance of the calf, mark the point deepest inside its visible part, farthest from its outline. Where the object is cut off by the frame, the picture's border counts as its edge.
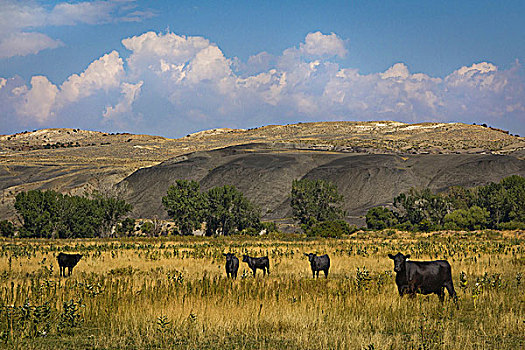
(424, 277)
(257, 263)
(69, 261)
(232, 265)
(319, 263)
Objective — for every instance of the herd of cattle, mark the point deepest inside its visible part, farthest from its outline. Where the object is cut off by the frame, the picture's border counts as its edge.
(424, 277)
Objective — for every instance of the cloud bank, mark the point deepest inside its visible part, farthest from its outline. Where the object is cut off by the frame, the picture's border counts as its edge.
(173, 84)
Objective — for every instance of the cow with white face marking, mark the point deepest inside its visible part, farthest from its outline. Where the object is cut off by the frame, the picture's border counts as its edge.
(423, 277)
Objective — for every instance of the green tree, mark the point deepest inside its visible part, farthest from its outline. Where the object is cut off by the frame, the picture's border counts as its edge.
(110, 210)
(492, 198)
(515, 198)
(227, 209)
(474, 218)
(40, 212)
(49, 214)
(417, 206)
(185, 204)
(379, 218)
(460, 197)
(315, 201)
(7, 229)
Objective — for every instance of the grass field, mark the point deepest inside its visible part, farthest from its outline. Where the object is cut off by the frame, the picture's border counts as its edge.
(173, 293)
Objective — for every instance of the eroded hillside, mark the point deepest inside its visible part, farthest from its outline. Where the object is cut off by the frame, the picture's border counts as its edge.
(74, 161)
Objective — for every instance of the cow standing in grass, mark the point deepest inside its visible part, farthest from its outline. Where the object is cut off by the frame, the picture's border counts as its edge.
(232, 265)
(424, 277)
(319, 263)
(262, 263)
(69, 261)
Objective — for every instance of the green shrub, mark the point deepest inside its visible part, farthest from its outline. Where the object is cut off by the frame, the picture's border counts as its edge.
(474, 218)
(512, 225)
(333, 229)
(379, 218)
(7, 229)
(147, 227)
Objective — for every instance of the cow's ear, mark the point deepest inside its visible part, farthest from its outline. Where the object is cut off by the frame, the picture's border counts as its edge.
(391, 256)
(305, 254)
(224, 254)
(407, 256)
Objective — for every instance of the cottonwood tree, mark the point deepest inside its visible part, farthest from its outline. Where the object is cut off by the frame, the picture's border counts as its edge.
(315, 201)
(185, 204)
(228, 210)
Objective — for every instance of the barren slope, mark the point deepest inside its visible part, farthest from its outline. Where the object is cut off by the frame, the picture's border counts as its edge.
(265, 173)
(73, 161)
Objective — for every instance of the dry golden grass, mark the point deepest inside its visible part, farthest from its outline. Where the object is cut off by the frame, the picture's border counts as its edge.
(173, 293)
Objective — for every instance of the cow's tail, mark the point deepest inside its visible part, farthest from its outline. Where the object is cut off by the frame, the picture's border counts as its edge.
(268, 266)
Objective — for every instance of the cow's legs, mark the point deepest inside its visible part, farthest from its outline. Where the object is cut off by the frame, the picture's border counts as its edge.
(326, 273)
(313, 273)
(441, 294)
(450, 289)
(254, 272)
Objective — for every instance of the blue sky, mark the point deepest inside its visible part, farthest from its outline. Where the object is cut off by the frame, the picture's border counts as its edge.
(174, 67)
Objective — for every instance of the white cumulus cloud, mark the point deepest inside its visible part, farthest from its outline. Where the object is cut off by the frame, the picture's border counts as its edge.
(43, 100)
(37, 102)
(319, 44)
(22, 44)
(20, 21)
(178, 84)
(129, 93)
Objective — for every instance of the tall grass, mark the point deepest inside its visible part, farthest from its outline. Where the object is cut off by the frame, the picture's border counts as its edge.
(173, 293)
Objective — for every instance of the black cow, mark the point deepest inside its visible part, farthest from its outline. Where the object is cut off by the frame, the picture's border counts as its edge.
(69, 261)
(232, 265)
(319, 263)
(424, 277)
(257, 263)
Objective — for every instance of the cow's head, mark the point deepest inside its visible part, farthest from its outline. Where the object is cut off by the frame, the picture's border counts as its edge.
(77, 257)
(399, 261)
(311, 256)
(229, 256)
(245, 258)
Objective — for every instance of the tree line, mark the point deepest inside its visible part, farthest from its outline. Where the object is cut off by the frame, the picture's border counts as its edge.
(49, 214)
(493, 206)
(316, 205)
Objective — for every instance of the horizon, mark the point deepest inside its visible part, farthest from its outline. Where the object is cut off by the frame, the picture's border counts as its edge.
(266, 125)
(162, 69)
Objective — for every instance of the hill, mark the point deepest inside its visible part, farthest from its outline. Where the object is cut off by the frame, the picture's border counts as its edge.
(370, 161)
